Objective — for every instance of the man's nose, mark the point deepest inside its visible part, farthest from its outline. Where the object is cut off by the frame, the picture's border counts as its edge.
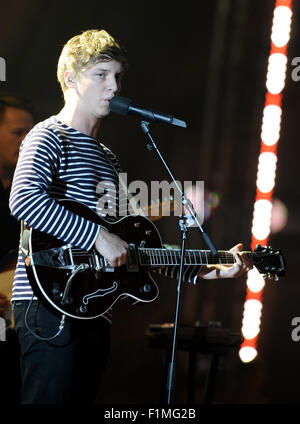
(113, 85)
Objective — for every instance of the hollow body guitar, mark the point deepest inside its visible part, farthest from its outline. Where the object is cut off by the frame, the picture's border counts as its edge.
(82, 285)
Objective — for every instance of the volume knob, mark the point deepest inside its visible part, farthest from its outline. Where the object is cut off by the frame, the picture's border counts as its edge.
(83, 309)
(146, 288)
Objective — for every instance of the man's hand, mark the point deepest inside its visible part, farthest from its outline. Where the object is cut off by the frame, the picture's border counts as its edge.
(112, 248)
(243, 264)
(4, 304)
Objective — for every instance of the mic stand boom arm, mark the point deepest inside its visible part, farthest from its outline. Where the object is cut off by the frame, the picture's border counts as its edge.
(183, 226)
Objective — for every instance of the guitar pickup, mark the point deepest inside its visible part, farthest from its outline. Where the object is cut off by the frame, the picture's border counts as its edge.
(132, 264)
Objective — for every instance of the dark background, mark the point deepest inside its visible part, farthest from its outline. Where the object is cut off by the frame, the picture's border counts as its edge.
(204, 62)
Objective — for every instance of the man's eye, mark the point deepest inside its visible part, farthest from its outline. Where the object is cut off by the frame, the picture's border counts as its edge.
(19, 133)
(100, 75)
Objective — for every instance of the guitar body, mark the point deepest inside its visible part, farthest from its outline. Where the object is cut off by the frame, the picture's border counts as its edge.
(92, 292)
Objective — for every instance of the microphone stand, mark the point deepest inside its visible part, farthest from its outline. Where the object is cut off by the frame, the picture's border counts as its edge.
(183, 227)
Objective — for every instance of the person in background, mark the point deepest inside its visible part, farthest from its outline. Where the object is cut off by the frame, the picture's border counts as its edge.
(16, 120)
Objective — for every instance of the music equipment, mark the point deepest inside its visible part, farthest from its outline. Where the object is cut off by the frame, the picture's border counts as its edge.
(82, 285)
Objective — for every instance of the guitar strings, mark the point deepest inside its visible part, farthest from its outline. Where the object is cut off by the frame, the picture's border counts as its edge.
(168, 256)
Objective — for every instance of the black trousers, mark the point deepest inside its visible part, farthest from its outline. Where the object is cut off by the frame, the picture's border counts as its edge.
(67, 369)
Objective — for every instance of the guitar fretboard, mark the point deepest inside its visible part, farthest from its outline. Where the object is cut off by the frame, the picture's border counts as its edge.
(159, 257)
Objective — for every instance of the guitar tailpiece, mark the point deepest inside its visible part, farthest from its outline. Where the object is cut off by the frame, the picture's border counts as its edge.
(81, 267)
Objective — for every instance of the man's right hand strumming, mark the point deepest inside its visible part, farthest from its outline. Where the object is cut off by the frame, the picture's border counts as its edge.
(112, 248)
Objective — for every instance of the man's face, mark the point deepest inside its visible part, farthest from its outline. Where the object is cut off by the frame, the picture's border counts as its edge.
(14, 126)
(97, 85)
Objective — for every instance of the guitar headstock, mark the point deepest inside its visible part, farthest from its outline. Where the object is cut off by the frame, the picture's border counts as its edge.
(269, 261)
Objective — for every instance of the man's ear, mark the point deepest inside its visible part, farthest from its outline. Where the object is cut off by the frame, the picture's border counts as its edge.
(69, 79)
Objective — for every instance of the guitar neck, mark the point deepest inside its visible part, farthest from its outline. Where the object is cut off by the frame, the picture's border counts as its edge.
(169, 257)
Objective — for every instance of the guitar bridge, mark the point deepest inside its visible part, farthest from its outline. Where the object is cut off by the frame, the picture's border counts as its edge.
(100, 264)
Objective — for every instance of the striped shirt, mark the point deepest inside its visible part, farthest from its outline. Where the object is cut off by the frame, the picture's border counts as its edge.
(59, 162)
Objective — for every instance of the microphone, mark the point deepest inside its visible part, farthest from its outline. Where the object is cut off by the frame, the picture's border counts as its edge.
(124, 106)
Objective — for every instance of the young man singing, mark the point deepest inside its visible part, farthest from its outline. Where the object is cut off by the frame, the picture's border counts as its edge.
(62, 158)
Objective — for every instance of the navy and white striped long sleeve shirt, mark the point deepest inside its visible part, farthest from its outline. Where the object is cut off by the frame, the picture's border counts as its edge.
(59, 162)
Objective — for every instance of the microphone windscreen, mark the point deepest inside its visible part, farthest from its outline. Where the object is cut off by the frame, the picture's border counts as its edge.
(120, 105)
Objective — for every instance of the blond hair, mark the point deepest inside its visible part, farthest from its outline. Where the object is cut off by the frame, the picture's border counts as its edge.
(85, 50)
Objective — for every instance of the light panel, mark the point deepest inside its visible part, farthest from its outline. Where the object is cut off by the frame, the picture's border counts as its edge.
(266, 172)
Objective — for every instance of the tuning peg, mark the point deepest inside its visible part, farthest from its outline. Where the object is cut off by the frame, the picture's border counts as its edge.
(276, 278)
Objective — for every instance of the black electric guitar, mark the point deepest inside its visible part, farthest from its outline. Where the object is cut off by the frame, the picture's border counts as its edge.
(81, 284)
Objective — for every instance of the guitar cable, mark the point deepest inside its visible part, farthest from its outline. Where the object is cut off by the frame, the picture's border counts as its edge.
(60, 328)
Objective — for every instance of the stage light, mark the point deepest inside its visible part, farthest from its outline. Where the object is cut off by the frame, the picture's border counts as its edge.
(276, 73)
(261, 219)
(281, 26)
(271, 124)
(266, 172)
(247, 353)
(251, 319)
(251, 328)
(255, 281)
(265, 218)
(253, 307)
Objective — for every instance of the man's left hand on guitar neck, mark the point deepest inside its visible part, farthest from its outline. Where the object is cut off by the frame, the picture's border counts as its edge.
(242, 265)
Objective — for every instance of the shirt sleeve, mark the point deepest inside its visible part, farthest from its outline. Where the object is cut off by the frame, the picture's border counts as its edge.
(37, 167)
